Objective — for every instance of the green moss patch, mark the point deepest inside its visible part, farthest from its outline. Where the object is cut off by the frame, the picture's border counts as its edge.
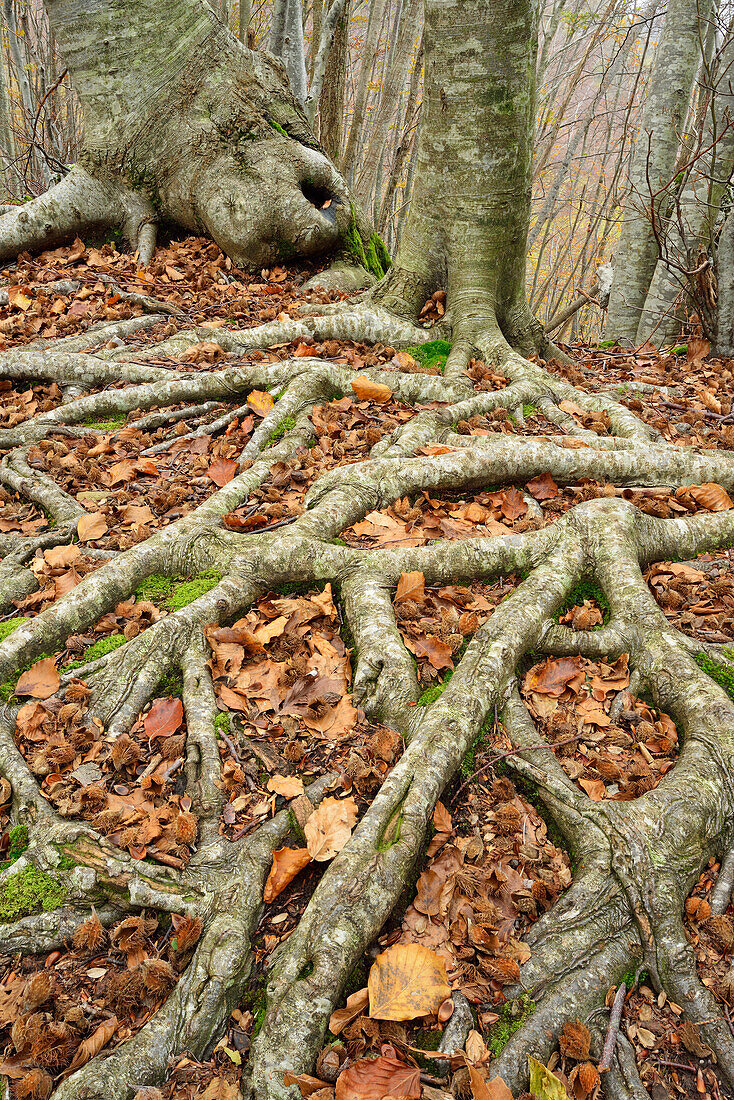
(9, 626)
(586, 590)
(432, 355)
(375, 258)
(172, 593)
(285, 426)
(723, 675)
(29, 891)
(513, 1014)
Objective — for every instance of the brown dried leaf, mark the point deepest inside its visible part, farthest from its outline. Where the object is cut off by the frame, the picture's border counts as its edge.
(40, 681)
(91, 527)
(91, 1046)
(375, 1078)
(329, 827)
(367, 390)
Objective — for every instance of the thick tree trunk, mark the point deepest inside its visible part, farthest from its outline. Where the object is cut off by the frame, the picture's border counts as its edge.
(469, 213)
(653, 162)
(183, 122)
(331, 102)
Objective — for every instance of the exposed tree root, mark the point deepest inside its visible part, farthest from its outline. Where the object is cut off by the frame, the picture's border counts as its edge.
(637, 860)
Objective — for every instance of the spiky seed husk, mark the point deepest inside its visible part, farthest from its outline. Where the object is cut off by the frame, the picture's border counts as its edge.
(575, 1040)
(125, 752)
(37, 991)
(158, 975)
(187, 931)
(90, 935)
(187, 828)
(36, 1085)
(588, 1076)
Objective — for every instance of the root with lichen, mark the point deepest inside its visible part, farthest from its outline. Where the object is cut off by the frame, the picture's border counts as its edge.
(636, 860)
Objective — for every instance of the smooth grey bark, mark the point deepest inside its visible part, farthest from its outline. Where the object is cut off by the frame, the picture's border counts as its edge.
(8, 175)
(690, 238)
(286, 42)
(183, 121)
(653, 162)
(326, 41)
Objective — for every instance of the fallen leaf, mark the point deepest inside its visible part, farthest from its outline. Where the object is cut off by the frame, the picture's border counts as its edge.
(542, 487)
(375, 1078)
(594, 788)
(329, 827)
(367, 390)
(222, 470)
(260, 401)
(40, 681)
(91, 527)
(496, 1089)
(18, 298)
(91, 1046)
(306, 1083)
(543, 1083)
(406, 981)
(289, 786)
(709, 495)
(219, 1088)
(287, 862)
(411, 586)
(164, 717)
(60, 556)
(356, 1004)
(551, 676)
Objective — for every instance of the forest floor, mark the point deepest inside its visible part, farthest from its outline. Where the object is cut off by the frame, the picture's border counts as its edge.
(282, 675)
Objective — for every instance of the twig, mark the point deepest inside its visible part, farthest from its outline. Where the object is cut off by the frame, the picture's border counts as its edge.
(615, 1017)
(512, 752)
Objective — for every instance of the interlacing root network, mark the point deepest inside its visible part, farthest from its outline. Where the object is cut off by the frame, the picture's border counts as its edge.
(635, 861)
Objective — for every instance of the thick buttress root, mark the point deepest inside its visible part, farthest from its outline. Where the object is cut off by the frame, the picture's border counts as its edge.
(636, 861)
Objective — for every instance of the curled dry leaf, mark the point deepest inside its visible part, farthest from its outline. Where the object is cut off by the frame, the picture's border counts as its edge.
(329, 827)
(709, 495)
(545, 1084)
(375, 1078)
(551, 676)
(91, 1046)
(287, 862)
(40, 681)
(356, 1004)
(496, 1089)
(306, 1083)
(367, 390)
(91, 527)
(406, 981)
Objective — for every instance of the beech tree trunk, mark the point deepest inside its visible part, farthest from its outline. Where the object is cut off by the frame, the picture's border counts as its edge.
(653, 162)
(185, 123)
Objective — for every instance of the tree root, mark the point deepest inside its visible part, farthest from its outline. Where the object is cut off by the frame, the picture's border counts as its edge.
(636, 860)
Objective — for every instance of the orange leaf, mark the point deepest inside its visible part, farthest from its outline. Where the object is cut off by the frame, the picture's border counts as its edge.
(164, 717)
(367, 390)
(496, 1089)
(222, 470)
(594, 788)
(91, 527)
(287, 862)
(373, 1078)
(261, 402)
(289, 786)
(18, 298)
(542, 487)
(304, 349)
(551, 677)
(40, 681)
(709, 495)
(61, 556)
(406, 981)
